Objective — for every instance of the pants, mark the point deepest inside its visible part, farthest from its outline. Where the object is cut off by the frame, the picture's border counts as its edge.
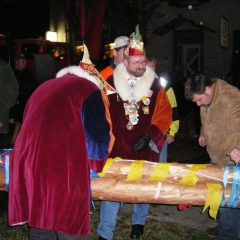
(228, 223)
(164, 153)
(40, 234)
(108, 217)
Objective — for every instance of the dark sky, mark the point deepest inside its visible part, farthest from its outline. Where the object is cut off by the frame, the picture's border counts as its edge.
(24, 18)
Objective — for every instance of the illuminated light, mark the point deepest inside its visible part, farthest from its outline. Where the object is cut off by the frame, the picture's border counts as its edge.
(163, 82)
(2, 35)
(79, 48)
(110, 49)
(51, 36)
(190, 7)
(111, 45)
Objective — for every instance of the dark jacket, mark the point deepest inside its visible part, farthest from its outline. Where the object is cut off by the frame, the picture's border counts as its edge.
(8, 95)
(27, 85)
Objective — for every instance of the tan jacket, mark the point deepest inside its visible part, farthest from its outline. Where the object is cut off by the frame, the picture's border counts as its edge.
(221, 122)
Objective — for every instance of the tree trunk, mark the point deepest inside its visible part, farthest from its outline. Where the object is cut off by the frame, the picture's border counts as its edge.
(173, 183)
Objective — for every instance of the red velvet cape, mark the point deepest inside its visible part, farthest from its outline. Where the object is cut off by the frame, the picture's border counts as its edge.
(64, 134)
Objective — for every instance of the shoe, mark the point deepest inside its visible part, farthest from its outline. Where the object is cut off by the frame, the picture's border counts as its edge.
(137, 231)
(212, 232)
(101, 238)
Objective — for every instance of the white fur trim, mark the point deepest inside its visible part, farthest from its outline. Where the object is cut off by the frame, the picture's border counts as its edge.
(141, 87)
(76, 70)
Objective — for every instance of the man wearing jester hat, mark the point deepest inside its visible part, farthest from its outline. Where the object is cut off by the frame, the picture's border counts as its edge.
(140, 112)
(66, 132)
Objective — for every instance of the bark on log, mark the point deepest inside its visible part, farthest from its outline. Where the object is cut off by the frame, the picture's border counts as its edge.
(2, 180)
(149, 192)
(114, 187)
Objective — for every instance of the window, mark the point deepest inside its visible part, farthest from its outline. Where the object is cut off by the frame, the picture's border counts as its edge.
(59, 52)
(30, 49)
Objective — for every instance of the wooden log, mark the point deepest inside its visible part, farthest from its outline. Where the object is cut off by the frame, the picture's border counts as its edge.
(5, 158)
(195, 189)
(2, 180)
(162, 183)
(149, 192)
(176, 172)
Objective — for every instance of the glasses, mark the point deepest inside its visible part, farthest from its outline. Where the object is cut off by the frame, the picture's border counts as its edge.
(138, 64)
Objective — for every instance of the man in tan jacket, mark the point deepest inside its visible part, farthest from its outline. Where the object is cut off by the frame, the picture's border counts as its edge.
(219, 104)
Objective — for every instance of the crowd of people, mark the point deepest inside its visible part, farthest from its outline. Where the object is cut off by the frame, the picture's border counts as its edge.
(71, 125)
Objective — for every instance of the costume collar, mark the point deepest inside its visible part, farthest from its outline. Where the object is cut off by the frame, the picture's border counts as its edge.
(76, 70)
(141, 87)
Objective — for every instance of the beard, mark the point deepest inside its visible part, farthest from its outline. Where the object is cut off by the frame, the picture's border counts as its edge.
(138, 72)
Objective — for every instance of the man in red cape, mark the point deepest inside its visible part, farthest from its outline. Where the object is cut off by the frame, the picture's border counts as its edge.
(66, 132)
(141, 116)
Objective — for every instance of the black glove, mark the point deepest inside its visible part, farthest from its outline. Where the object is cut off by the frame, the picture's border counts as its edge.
(142, 143)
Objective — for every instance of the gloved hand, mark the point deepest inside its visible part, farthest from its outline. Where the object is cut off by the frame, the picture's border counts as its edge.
(142, 143)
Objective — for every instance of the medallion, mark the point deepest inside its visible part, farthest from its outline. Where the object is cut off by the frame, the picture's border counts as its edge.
(145, 100)
(133, 119)
(129, 126)
(145, 109)
(131, 111)
(149, 93)
(132, 108)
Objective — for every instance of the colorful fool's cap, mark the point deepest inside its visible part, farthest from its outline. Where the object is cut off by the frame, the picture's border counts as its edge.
(135, 45)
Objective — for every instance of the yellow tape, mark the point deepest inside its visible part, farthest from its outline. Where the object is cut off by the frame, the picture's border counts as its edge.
(160, 172)
(190, 178)
(107, 165)
(214, 199)
(135, 171)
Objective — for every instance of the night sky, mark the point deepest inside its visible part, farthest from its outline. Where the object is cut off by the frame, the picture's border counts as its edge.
(24, 18)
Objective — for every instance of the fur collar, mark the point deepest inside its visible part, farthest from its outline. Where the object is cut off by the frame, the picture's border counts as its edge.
(141, 87)
(76, 70)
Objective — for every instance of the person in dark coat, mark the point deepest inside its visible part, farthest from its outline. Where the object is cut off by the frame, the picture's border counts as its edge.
(27, 84)
(8, 97)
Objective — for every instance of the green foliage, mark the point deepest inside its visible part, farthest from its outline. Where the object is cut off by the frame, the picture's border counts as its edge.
(12, 233)
(154, 230)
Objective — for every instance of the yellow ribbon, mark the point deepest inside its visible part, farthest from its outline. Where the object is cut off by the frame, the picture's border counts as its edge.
(190, 178)
(214, 199)
(135, 171)
(160, 172)
(107, 166)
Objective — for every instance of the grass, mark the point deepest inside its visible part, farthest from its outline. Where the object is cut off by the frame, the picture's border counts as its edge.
(154, 230)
